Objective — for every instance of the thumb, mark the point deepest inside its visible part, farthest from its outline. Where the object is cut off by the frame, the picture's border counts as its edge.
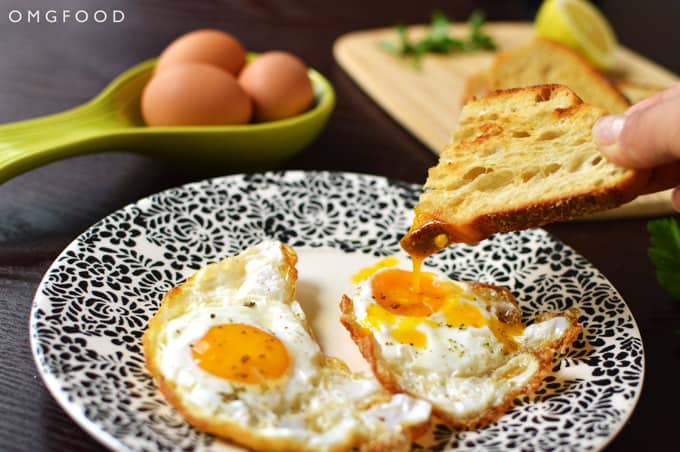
(643, 137)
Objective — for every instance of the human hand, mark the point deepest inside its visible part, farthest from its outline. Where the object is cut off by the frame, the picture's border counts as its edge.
(647, 135)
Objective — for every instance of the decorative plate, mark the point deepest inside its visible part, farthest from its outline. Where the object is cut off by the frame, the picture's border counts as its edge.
(94, 302)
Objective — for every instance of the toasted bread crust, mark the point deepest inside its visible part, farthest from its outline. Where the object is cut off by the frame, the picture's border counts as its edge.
(370, 350)
(419, 241)
(536, 142)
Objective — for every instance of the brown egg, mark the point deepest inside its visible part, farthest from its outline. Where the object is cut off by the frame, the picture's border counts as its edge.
(278, 84)
(213, 47)
(194, 94)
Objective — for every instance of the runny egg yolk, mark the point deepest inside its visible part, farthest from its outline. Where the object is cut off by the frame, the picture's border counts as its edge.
(395, 291)
(241, 353)
(367, 272)
(406, 299)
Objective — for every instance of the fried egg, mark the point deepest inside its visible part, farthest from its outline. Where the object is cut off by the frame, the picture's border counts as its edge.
(459, 345)
(231, 350)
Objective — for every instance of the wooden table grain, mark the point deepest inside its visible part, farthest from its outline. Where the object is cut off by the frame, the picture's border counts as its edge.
(47, 67)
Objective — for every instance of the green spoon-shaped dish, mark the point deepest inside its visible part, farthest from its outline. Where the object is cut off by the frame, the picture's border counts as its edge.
(113, 121)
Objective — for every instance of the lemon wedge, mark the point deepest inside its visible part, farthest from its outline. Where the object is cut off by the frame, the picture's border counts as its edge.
(580, 25)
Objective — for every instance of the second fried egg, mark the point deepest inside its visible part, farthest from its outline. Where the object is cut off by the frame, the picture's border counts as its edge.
(459, 345)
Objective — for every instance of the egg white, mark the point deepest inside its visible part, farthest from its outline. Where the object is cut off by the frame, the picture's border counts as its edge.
(209, 391)
(318, 403)
(463, 371)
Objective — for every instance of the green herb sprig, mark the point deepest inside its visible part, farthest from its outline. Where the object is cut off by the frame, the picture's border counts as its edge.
(664, 251)
(437, 39)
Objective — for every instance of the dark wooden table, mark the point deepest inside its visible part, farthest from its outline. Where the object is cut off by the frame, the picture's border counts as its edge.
(48, 67)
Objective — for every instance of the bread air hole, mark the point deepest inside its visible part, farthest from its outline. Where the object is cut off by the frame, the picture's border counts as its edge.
(551, 168)
(475, 172)
(550, 135)
(596, 160)
(528, 174)
(493, 181)
(520, 134)
(575, 164)
(543, 95)
(488, 151)
(489, 117)
(453, 204)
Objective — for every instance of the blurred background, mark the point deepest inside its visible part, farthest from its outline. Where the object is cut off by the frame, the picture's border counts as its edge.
(49, 67)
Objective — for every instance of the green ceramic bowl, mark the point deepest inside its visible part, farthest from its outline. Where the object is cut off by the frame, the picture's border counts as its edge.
(113, 121)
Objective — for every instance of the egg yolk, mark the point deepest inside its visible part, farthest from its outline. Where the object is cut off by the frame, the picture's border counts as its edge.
(396, 291)
(406, 333)
(241, 353)
(417, 295)
(367, 272)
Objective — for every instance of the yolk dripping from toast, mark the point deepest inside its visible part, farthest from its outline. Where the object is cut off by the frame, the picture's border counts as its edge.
(428, 235)
(241, 353)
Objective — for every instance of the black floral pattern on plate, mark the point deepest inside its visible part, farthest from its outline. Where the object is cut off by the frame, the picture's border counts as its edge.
(95, 300)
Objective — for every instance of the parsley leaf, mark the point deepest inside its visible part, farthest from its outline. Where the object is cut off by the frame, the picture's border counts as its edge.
(664, 251)
(478, 39)
(437, 39)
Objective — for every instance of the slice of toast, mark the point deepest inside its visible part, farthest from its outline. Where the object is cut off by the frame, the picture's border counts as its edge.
(545, 62)
(521, 158)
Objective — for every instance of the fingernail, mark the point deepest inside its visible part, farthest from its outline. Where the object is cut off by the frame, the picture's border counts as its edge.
(606, 130)
(675, 197)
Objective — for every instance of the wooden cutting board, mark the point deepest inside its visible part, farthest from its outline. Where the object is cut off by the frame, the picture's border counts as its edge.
(426, 98)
